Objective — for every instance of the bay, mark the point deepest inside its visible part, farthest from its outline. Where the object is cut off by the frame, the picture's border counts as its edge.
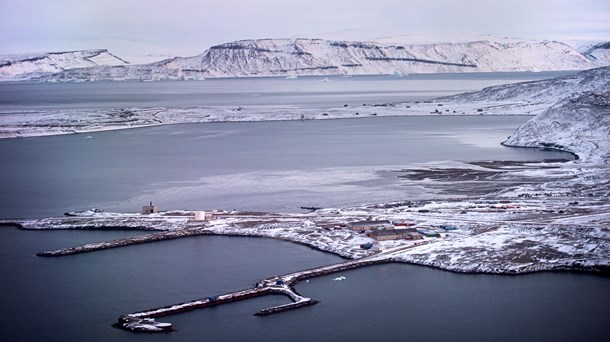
(79, 297)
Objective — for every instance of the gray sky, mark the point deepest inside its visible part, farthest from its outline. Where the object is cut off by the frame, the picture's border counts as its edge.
(188, 27)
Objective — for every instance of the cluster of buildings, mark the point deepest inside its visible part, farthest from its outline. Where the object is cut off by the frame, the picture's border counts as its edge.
(383, 230)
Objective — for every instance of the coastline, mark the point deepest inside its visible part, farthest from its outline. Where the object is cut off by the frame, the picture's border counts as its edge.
(574, 154)
(603, 270)
(63, 122)
(492, 238)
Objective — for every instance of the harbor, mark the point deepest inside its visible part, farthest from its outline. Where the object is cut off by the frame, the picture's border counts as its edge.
(144, 321)
(512, 233)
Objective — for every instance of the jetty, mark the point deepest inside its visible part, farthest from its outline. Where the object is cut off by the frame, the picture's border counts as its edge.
(146, 238)
(144, 321)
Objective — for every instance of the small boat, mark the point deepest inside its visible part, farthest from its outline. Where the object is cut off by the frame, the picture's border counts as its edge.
(88, 137)
(292, 77)
(325, 79)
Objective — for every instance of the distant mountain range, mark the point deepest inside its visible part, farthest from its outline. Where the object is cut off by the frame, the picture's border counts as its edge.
(24, 67)
(307, 57)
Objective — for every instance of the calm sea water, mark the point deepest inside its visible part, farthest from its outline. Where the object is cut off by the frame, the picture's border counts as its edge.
(264, 91)
(78, 298)
(272, 166)
(264, 166)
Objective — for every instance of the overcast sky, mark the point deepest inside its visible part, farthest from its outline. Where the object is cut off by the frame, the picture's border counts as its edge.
(188, 27)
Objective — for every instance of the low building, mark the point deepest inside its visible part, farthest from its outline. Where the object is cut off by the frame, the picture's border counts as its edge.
(370, 225)
(393, 234)
(429, 232)
(199, 216)
(414, 236)
(149, 209)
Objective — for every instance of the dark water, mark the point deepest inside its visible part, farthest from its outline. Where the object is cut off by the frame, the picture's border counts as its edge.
(77, 298)
(271, 166)
(265, 91)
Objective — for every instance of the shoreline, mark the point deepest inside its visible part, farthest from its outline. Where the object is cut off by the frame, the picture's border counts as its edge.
(592, 270)
(550, 216)
(41, 123)
(574, 154)
(230, 228)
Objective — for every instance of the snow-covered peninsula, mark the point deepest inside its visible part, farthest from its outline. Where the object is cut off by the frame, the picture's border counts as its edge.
(528, 98)
(547, 216)
(579, 124)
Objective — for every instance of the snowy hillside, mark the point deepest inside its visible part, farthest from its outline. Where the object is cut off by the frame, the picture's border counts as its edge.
(295, 57)
(573, 112)
(304, 56)
(598, 53)
(533, 97)
(580, 124)
(34, 65)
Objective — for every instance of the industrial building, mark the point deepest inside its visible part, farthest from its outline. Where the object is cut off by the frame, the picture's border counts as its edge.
(370, 225)
(395, 234)
(149, 209)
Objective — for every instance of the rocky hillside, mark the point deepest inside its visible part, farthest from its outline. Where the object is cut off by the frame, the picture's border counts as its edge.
(599, 53)
(295, 57)
(573, 112)
(579, 124)
(539, 94)
(25, 67)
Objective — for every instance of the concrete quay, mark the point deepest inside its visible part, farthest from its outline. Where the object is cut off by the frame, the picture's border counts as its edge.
(144, 321)
(146, 238)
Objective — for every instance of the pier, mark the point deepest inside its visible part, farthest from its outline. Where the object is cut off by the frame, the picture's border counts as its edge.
(144, 321)
(146, 238)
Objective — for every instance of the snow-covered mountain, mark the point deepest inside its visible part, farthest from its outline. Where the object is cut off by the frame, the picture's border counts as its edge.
(598, 53)
(579, 124)
(302, 56)
(23, 67)
(293, 57)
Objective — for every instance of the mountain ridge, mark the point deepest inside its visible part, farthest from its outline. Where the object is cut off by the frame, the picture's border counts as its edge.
(27, 66)
(316, 57)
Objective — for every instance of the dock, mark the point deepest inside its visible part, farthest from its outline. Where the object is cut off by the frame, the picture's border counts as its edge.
(144, 321)
(135, 240)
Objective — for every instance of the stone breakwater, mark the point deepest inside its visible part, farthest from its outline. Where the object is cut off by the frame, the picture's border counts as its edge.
(147, 238)
(144, 321)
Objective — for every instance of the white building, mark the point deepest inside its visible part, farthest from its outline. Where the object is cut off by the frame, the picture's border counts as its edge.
(199, 216)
